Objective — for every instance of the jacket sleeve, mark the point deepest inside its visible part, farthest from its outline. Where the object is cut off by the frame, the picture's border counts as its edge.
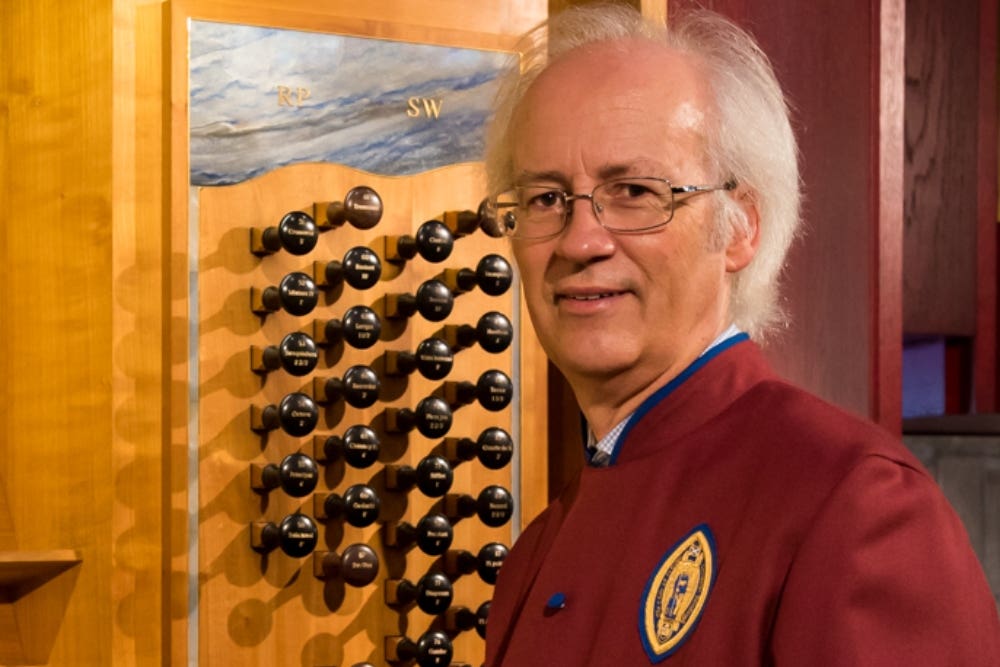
(886, 576)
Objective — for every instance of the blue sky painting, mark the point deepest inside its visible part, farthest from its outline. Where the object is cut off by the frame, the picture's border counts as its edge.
(261, 98)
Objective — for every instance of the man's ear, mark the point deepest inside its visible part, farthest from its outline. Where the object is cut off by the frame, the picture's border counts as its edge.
(745, 237)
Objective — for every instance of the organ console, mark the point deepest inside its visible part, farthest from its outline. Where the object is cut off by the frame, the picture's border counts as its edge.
(359, 382)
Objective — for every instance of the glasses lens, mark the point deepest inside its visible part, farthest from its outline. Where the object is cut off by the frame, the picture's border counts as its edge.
(634, 204)
(530, 212)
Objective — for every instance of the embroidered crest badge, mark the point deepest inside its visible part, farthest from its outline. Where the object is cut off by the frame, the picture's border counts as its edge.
(676, 594)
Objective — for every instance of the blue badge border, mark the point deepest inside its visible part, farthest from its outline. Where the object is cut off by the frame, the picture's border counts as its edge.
(650, 652)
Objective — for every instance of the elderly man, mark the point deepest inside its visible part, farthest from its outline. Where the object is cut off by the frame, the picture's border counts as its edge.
(648, 182)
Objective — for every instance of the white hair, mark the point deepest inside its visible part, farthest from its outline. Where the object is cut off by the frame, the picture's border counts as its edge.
(750, 141)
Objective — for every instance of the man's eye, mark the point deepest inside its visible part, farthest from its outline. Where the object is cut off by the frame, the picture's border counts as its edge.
(545, 199)
(628, 190)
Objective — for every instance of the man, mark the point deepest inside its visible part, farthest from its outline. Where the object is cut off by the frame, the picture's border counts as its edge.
(649, 184)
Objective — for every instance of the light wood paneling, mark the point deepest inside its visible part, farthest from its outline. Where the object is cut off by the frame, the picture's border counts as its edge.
(55, 332)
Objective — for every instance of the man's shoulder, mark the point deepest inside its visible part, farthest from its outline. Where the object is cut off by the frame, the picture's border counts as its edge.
(797, 420)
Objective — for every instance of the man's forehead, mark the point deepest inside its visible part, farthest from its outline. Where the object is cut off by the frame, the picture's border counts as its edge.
(614, 72)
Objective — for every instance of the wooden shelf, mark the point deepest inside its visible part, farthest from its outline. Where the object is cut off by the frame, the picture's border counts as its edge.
(33, 600)
(23, 571)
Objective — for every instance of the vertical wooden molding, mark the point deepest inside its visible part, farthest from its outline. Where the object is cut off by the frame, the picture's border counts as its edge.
(887, 292)
(985, 364)
(654, 9)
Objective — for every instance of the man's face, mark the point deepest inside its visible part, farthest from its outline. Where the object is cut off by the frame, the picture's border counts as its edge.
(635, 308)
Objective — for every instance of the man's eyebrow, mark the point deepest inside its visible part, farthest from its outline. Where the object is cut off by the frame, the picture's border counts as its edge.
(617, 171)
(542, 176)
(604, 173)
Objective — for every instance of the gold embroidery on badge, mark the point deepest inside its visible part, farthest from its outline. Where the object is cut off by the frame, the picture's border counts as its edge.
(676, 594)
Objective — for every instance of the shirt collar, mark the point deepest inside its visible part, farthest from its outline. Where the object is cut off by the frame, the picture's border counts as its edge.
(600, 452)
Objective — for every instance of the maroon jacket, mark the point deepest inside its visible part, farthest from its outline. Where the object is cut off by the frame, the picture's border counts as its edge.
(822, 542)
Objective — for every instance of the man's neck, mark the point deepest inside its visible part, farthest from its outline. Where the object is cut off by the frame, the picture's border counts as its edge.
(606, 401)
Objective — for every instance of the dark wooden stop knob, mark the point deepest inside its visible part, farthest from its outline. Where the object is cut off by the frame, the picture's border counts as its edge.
(432, 593)
(296, 414)
(359, 387)
(296, 535)
(434, 241)
(494, 391)
(433, 358)
(360, 327)
(432, 417)
(432, 534)
(493, 332)
(434, 476)
(296, 475)
(433, 649)
(359, 505)
(357, 565)
(466, 222)
(296, 354)
(489, 560)
(361, 269)
(359, 447)
(434, 300)
(459, 619)
(494, 274)
(296, 294)
(486, 563)
(494, 448)
(296, 233)
(494, 505)
(482, 615)
(361, 207)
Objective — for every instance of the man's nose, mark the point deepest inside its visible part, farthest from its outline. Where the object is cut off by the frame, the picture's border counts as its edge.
(583, 237)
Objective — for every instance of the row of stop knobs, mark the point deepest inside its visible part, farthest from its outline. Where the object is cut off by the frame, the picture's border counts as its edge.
(298, 292)
(298, 352)
(297, 534)
(298, 232)
(297, 413)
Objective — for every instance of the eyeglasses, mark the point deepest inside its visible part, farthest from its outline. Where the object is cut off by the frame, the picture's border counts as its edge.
(621, 205)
